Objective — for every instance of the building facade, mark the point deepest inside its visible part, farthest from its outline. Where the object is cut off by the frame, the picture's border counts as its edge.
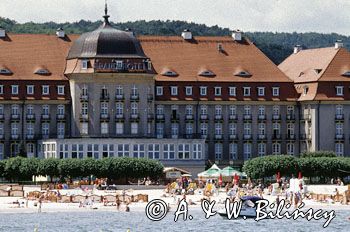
(182, 100)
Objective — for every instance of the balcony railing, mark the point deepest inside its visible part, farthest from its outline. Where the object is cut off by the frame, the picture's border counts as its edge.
(204, 117)
(15, 116)
(150, 97)
(233, 117)
(104, 117)
(291, 137)
(84, 117)
(150, 117)
(233, 137)
(30, 117)
(276, 117)
(218, 136)
(2, 117)
(203, 136)
(45, 117)
(189, 117)
(276, 136)
(261, 137)
(14, 137)
(339, 117)
(119, 116)
(29, 136)
(339, 137)
(247, 136)
(175, 117)
(134, 97)
(134, 116)
(2, 136)
(104, 97)
(290, 117)
(247, 117)
(262, 117)
(84, 97)
(61, 117)
(119, 97)
(218, 117)
(160, 116)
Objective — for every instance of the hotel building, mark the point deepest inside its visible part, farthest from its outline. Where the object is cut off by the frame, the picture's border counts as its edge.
(182, 100)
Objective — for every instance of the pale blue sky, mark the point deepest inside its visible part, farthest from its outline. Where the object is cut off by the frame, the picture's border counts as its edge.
(247, 15)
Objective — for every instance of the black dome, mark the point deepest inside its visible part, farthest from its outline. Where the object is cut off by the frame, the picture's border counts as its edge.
(106, 42)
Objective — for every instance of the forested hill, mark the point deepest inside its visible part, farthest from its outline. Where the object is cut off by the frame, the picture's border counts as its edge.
(277, 46)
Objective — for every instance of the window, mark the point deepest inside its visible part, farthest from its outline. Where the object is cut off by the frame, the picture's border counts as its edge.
(84, 108)
(30, 89)
(218, 151)
(173, 90)
(134, 91)
(14, 129)
(2, 129)
(204, 109)
(305, 90)
(233, 110)
(45, 90)
(203, 90)
(139, 151)
(60, 130)
(159, 90)
(233, 151)
(204, 129)
(46, 109)
(232, 91)
(119, 64)
(218, 110)
(275, 91)
(290, 130)
(153, 151)
(232, 128)
(276, 149)
(107, 150)
(1, 89)
(339, 128)
(218, 128)
(14, 89)
(104, 108)
(134, 108)
(81, 151)
(339, 110)
(262, 129)
(134, 128)
(276, 110)
(169, 151)
(174, 130)
(160, 130)
(276, 127)
(189, 129)
(247, 110)
(30, 149)
(60, 90)
(93, 151)
(217, 91)
(104, 128)
(1, 151)
(339, 149)
(261, 110)
(119, 91)
(30, 109)
(160, 109)
(30, 129)
(189, 110)
(188, 90)
(246, 91)
(290, 110)
(14, 109)
(197, 151)
(184, 151)
(247, 128)
(1, 109)
(261, 149)
(247, 151)
(84, 64)
(45, 129)
(119, 128)
(84, 128)
(261, 91)
(119, 108)
(60, 110)
(290, 148)
(123, 150)
(339, 90)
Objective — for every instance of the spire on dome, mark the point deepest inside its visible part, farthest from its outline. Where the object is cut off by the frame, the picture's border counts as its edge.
(106, 16)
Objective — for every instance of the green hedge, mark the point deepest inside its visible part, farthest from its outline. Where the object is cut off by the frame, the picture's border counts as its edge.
(310, 166)
(22, 169)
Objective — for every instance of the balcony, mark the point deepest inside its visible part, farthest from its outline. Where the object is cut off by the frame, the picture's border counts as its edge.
(276, 117)
(119, 97)
(84, 98)
(134, 117)
(339, 137)
(339, 117)
(233, 137)
(2, 117)
(30, 137)
(262, 137)
(14, 137)
(30, 117)
(15, 117)
(291, 137)
(104, 97)
(150, 117)
(218, 117)
(305, 117)
(134, 97)
(247, 117)
(276, 136)
(2, 137)
(203, 136)
(150, 97)
(305, 137)
(189, 117)
(104, 117)
(189, 136)
(233, 117)
(45, 117)
(290, 117)
(84, 117)
(61, 117)
(247, 137)
(175, 118)
(119, 117)
(204, 117)
(218, 137)
(261, 117)
(160, 117)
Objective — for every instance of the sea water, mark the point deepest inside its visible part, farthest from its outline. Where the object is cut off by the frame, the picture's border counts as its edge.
(137, 221)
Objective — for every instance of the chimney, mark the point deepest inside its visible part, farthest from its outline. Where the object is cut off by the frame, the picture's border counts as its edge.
(237, 35)
(2, 32)
(60, 33)
(297, 49)
(220, 47)
(130, 31)
(186, 34)
(338, 44)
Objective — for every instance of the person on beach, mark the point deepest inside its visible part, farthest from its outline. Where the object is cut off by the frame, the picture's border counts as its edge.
(40, 204)
(118, 203)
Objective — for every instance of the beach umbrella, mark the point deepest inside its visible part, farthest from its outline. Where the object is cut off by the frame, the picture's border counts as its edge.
(210, 173)
(186, 175)
(229, 171)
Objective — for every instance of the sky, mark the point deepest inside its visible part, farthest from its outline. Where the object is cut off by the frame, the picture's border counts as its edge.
(248, 15)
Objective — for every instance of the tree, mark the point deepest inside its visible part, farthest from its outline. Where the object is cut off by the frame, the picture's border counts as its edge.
(318, 154)
(29, 168)
(49, 167)
(12, 168)
(70, 168)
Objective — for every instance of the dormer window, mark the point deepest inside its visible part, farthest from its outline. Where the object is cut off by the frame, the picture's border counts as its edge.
(207, 73)
(14, 89)
(42, 71)
(188, 90)
(346, 74)
(339, 90)
(243, 74)
(318, 71)
(5, 71)
(170, 73)
(173, 90)
(246, 91)
(84, 64)
(261, 91)
(305, 90)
